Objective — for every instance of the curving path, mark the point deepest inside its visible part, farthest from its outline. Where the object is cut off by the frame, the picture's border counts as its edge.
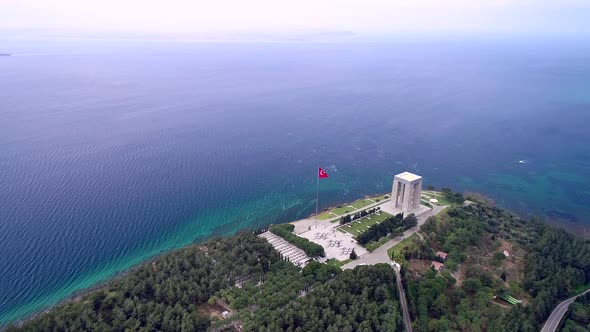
(556, 316)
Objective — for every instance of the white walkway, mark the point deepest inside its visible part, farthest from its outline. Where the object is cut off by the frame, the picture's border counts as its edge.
(294, 254)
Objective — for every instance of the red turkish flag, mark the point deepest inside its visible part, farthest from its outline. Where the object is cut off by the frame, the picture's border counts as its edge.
(322, 174)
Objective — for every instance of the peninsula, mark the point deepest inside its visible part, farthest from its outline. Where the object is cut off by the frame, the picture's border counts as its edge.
(428, 260)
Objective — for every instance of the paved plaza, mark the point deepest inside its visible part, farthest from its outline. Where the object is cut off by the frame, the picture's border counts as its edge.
(393, 211)
(407, 189)
(336, 244)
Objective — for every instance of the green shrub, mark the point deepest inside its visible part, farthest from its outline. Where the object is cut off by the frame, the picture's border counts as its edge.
(499, 256)
(286, 232)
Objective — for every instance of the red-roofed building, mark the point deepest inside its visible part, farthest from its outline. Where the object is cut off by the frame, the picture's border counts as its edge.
(441, 254)
(437, 266)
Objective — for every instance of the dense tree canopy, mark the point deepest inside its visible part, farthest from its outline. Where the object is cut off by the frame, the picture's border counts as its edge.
(163, 295)
(396, 224)
(286, 232)
(577, 318)
(453, 198)
(363, 299)
(556, 263)
(246, 275)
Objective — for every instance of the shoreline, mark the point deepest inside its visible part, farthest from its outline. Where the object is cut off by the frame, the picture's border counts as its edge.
(575, 227)
(76, 295)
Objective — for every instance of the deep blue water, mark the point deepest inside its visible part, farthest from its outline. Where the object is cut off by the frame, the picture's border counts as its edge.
(112, 152)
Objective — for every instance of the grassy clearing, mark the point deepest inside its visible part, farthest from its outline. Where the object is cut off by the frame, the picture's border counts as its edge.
(334, 262)
(348, 208)
(396, 250)
(326, 215)
(359, 226)
(362, 203)
(374, 245)
(439, 196)
(343, 210)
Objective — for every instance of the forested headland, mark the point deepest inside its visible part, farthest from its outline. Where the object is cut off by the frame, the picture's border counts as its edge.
(189, 289)
(242, 282)
(544, 265)
(164, 295)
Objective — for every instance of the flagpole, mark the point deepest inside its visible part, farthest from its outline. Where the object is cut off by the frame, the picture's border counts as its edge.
(317, 191)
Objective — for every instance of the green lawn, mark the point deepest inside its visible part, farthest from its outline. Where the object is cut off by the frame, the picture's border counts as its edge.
(326, 215)
(334, 262)
(362, 203)
(441, 199)
(356, 227)
(398, 247)
(343, 210)
(374, 245)
(348, 208)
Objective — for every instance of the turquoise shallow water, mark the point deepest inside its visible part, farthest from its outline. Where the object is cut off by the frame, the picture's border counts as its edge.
(112, 153)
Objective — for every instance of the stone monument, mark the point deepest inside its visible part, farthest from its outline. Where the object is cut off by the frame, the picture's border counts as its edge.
(406, 192)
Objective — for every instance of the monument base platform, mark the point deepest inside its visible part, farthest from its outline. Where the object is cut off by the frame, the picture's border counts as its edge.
(388, 207)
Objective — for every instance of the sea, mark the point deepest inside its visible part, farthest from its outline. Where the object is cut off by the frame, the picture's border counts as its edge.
(114, 151)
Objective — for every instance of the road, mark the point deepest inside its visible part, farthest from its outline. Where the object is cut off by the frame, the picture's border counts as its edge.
(379, 255)
(402, 299)
(556, 316)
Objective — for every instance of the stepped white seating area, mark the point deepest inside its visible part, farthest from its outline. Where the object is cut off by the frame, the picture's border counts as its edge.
(295, 255)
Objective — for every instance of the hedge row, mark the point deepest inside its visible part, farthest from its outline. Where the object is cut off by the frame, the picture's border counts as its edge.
(286, 232)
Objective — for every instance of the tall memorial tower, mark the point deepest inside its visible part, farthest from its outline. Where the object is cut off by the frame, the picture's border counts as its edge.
(406, 192)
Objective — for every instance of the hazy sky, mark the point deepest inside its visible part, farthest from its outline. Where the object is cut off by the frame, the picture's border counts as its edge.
(361, 16)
